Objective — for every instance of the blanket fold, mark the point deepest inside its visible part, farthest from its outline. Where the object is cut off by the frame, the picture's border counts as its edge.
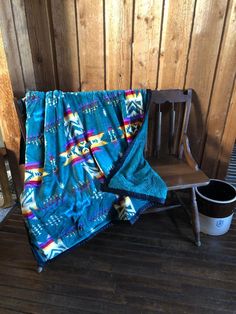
(85, 166)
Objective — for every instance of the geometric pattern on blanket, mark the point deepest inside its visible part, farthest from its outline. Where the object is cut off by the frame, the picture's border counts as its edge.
(78, 147)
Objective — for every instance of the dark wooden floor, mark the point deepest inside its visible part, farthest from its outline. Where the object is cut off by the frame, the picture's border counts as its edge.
(151, 267)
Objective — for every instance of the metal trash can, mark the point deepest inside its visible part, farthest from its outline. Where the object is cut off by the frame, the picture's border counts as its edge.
(216, 204)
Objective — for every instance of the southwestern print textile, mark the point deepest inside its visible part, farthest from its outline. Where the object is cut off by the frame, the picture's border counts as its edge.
(85, 166)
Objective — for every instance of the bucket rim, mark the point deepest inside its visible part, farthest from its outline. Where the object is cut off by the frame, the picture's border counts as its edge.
(215, 201)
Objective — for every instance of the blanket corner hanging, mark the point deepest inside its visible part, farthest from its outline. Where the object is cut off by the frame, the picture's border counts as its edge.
(84, 166)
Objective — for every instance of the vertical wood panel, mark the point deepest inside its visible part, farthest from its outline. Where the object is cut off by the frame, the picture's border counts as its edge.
(91, 44)
(65, 36)
(177, 23)
(147, 28)
(68, 43)
(41, 43)
(118, 21)
(223, 85)
(8, 120)
(206, 36)
(23, 43)
(11, 47)
(228, 138)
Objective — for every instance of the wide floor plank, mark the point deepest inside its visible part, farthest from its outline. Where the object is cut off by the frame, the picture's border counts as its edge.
(150, 267)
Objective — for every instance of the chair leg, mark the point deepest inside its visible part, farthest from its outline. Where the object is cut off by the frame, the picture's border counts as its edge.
(5, 184)
(195, 218)
(40, 269)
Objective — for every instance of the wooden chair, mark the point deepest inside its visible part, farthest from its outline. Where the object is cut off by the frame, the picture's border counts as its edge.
(168, 150)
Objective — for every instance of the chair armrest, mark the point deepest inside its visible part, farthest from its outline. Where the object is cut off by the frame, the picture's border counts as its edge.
(187, 153)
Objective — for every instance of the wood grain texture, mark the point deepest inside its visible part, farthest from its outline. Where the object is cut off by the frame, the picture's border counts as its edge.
(118, 22)
(151, 267)
(228, 138)
(8, 120)
(110, 44)
(39, 27)
(24, 49)
(206, 37)
(91, 44)
(147, 31)
(221, 94)
(11, 47)
(177, 24)
(65, 36)
(177, 174)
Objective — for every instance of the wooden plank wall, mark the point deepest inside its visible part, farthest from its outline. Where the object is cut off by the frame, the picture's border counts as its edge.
(8, 120)
(121, 44)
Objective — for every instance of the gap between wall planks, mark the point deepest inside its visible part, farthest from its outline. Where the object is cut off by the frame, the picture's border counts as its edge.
(22, 36)
(39, 21)
(65, 36)
(91, 42)
(110, 44)
(11, 48)
(118, 41)
(174, 50)
(146, 43)
(8, 120)
(228, 138)
(205, 43)
(221, 93)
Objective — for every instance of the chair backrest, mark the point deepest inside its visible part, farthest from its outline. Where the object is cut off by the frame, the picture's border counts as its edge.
(168, 122)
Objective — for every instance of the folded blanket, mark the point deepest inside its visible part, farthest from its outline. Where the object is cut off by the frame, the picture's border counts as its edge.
(85, 166)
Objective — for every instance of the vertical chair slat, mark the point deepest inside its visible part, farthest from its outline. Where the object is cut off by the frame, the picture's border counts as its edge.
(171, 128)
(158, 128)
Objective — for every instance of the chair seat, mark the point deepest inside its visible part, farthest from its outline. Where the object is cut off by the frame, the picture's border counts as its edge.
(177, 174)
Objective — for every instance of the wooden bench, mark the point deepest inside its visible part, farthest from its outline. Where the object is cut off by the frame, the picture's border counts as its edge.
(168, 150)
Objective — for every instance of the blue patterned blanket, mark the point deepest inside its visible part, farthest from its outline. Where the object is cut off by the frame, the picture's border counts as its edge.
(85, 166)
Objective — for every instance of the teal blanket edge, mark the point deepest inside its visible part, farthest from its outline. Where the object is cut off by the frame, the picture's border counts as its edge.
(85, 167)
